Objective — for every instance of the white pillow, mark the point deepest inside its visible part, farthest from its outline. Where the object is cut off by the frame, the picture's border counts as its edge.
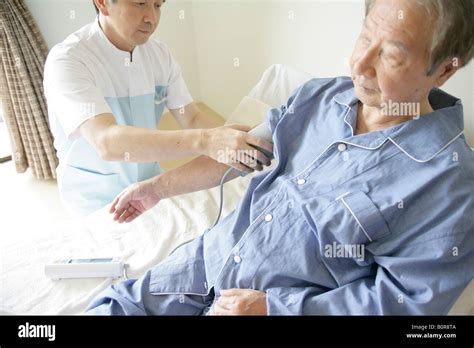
(250, 112)
(278, 83)
(273, 90)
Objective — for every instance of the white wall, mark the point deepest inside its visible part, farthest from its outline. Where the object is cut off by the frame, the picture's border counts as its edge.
(316, 36)
(177, 30)
(59, 18)
(306, 35)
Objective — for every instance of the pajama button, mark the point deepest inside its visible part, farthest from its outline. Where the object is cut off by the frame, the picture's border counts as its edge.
(268, 217)
(237, 259)
(342, 147)
(301, 181)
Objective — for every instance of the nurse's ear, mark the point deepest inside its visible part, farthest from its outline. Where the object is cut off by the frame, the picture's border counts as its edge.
(103, 6)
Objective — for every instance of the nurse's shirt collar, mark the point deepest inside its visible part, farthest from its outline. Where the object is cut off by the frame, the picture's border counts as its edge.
(125, 55)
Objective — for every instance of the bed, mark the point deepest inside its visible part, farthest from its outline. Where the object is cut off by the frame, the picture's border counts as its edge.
(143, 243)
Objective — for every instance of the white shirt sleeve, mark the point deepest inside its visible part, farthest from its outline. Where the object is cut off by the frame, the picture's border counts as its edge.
(178, 94)
(71, 93)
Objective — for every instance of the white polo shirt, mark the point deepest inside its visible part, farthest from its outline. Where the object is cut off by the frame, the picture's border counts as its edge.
(86, 75)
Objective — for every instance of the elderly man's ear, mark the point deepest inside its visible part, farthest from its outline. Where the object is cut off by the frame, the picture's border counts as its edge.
(446, 70)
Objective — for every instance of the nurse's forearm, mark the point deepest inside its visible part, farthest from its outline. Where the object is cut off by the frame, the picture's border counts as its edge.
(200, 174)
(124, 143)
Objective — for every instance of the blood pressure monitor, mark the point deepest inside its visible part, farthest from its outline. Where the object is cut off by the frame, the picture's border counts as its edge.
(85, 268)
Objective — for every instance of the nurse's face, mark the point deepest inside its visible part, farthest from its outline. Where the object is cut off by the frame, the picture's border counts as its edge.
(134, 21)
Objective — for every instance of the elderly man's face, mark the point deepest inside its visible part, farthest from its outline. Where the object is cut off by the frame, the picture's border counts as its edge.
(390, 59)
(135, 20)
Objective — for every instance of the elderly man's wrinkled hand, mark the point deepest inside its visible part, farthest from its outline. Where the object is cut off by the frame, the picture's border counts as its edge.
(240, 302)
(134, 201)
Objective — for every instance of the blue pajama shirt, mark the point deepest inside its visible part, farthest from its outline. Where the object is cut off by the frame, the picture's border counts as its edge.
(370, 224)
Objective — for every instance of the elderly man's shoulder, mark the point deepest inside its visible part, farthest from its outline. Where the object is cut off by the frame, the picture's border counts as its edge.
(328, 86)
(461, 156)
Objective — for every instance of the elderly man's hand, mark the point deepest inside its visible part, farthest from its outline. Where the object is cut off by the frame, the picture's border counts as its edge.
(134, 201)
(240, 302)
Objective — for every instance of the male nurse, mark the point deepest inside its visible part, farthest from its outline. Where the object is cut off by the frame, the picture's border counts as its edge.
(107, 86)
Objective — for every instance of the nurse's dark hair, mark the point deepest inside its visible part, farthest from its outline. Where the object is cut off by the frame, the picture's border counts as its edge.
(97, 10)
(453, 34)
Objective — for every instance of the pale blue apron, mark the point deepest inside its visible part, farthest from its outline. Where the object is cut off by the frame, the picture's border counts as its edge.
(88, 182)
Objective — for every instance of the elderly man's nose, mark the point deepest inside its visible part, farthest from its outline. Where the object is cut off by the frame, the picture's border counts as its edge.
(364, 66)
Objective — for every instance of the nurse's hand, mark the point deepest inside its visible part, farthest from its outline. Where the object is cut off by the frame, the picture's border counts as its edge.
(134, 201)
(232, 145)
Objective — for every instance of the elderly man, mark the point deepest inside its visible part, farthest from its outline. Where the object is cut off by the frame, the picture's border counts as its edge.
(368, 211)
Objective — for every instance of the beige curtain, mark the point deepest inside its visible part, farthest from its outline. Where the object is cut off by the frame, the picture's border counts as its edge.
(23, 52)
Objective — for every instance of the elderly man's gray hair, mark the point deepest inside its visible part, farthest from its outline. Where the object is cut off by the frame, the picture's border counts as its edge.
(453, 35)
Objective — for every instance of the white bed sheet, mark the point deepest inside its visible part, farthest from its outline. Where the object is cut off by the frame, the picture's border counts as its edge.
(143, 243)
